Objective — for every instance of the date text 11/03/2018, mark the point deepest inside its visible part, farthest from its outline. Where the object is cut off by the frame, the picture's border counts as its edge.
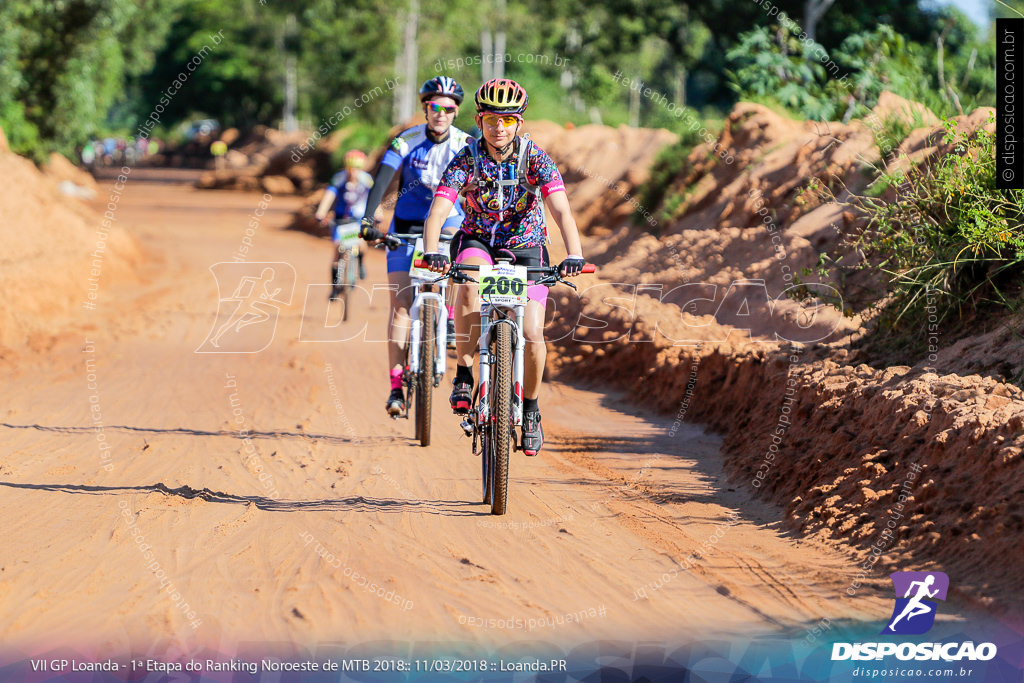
(456, 665)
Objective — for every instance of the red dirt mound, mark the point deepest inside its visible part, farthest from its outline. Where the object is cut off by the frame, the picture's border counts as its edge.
(56, 254)
(59, 169)
(602, 168)
(911, 467)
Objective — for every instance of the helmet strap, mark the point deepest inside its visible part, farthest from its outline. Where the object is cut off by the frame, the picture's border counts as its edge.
(506, 149)
(438, 138)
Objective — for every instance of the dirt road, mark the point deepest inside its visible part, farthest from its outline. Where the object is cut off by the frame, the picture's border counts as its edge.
(160, 497)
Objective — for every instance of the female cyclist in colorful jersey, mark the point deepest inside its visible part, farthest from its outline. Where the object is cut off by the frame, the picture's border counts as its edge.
(346, 196)
(508, 218)
(421, 154)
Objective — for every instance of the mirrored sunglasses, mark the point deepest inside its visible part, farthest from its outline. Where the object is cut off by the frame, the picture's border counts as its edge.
(440, 108)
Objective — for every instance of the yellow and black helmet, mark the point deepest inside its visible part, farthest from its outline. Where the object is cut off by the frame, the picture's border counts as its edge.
(501, 96)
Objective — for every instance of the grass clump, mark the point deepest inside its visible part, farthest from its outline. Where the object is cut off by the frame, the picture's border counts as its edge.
(950, 238)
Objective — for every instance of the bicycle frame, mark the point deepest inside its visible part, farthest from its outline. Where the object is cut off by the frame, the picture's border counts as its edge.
(416, 331)
(347, 252)
(350, 241)
(490, 318)
(420, 297)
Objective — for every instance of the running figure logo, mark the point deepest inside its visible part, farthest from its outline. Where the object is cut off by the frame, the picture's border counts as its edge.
(914, 613)
(247, 318)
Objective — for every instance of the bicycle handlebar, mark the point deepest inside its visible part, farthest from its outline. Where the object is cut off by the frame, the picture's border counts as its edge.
(392, 240)
(530, 270)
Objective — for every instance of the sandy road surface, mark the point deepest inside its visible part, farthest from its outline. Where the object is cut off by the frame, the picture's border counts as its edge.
(103, 547)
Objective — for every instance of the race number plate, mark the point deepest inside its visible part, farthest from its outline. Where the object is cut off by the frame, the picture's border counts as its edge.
(347, 235)
(417, 254)
(503, 285)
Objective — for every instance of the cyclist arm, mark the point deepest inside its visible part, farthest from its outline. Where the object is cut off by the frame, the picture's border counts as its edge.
(439, 210)
(447, 193)
(325, 204)
(380, 185)
(558, 208)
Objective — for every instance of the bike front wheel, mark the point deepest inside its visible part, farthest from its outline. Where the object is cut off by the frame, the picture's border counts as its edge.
(425, 385)
(501, 417)
(485, 464)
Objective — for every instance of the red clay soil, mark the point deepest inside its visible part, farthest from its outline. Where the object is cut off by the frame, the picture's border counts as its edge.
(43, 262)
(810, 427)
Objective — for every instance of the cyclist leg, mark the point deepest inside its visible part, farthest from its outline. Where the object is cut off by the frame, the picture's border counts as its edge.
(451, 226)
(468, 251)
(536, 349)
(535, 352)
(398, 323)
(398, 320)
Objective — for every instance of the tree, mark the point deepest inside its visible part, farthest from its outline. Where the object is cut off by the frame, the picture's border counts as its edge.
(64, 64)
(814, 10)
(341, 51)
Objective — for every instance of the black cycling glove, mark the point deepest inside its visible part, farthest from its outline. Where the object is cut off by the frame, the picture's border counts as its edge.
(435, 261)
(572, 265)
(367, 231)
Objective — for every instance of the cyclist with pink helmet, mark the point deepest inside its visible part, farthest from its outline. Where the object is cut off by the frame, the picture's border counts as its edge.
(346, 196)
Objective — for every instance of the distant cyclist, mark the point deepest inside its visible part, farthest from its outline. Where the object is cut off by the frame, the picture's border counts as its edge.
(346, 197)
(420, 155)
(504, 177)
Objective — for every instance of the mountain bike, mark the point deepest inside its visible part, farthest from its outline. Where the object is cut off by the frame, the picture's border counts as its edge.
(346, 266)
(498, 398)
(425, 356)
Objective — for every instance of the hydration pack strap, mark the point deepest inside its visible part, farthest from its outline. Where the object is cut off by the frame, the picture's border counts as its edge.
(522, 165)
(525, 145)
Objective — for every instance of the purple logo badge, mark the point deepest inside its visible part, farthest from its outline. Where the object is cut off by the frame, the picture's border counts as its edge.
(914, 612)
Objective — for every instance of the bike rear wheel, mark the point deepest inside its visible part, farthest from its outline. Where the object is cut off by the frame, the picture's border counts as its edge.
(425, 385)
(501, 416)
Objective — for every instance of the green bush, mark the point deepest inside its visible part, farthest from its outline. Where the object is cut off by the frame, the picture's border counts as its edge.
(951, 237)
(22, 135)
(669, 165)
(773, 64)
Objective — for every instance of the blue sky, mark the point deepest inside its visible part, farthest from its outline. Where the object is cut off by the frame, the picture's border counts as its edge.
(977, 10)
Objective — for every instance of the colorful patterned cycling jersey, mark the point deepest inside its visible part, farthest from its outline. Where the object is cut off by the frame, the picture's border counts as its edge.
(350, 202)
(518, 221)
(421, 163)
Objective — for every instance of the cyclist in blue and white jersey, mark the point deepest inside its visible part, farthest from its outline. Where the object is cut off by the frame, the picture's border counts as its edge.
(419, 155)
(346, 196)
